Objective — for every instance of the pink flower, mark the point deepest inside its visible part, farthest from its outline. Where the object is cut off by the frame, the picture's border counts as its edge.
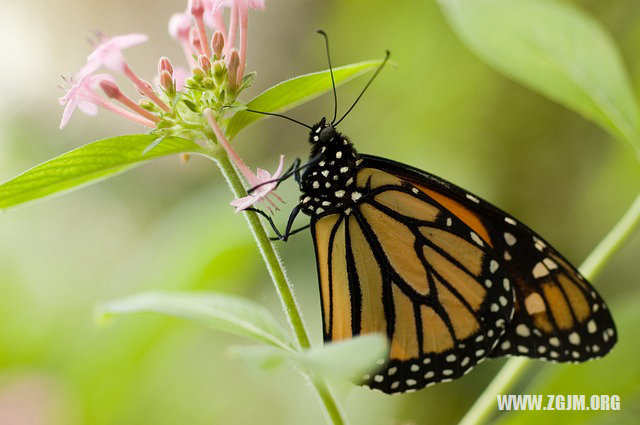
(261, 177)
(262, 192)
(82, 95)
(109, 53)
(180, 25)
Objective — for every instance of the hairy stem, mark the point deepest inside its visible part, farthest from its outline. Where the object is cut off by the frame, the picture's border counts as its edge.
(513, 369)
(284, 289)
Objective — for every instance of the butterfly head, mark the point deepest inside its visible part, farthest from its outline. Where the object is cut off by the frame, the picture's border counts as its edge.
(323, 133)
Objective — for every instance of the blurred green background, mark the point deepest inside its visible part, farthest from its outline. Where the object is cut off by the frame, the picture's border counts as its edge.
(169, 225)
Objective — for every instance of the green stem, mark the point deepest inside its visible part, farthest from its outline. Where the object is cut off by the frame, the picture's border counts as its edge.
(513, 369)
(283, 287)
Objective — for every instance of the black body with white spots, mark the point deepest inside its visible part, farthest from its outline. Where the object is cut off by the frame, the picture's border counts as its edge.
(328, 183)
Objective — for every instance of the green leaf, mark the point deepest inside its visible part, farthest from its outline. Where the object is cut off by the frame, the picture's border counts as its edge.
(556, 49)
(349, 359)
(295, 91)
(225, 313)
(88, 164)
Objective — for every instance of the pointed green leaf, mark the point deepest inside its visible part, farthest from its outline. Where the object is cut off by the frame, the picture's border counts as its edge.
(349, 359)
(88, 164)
(556, 49)
(295, 91)
(225, 313)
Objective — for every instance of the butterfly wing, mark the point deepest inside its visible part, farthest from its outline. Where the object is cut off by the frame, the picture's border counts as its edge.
(401, 264)
(558, 316)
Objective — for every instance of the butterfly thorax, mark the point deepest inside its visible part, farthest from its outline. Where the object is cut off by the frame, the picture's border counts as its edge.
(329, 182)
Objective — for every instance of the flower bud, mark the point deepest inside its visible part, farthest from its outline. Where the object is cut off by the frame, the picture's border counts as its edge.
(232, 69)
(204, 63)
(147, 88)
(147, 104)
(208, 83)
(217, 44)
(166, 82)
(198, 74)
(110, 88)
(219, 71)
(165, 123)
(164, 64)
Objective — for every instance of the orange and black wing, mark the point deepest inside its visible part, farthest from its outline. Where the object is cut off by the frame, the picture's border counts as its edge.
(400, 263)
(558, 316)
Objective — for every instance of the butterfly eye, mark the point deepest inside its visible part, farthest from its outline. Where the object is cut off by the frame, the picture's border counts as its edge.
(327, 134)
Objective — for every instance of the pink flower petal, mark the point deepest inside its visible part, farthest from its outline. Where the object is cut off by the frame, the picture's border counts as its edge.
(263, 175)
(280, 167)
(109, 53)
(244, 203)
(129, 40)
(180, 25)
(66, 114)
(87, 107)
(80, 95)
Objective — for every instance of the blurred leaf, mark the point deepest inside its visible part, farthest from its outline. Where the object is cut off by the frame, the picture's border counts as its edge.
(225, 313)
(348, 359)
(295, 91)
(555, 49)
(88, 164)
(617, 373)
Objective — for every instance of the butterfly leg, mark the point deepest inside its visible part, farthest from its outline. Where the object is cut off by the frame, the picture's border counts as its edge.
(293, 232)
(287, 232)
(293, 170)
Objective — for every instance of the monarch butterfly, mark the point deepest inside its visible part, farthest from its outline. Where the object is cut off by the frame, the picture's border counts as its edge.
(446, 276)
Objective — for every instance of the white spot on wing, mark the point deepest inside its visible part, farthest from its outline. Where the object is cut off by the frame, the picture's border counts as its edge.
(509, 239)
(476, 238)
(493, 266)
(540, 270)
(550, 263)
(473, 198)
(523, 330)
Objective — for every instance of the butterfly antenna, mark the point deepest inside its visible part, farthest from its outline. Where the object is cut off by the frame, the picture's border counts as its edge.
(375, 74)
(272, 114)
(333, 81)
